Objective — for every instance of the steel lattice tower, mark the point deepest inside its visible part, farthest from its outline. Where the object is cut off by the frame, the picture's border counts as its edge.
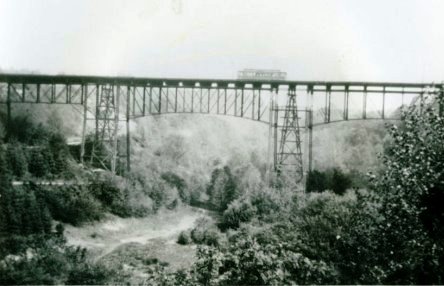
(289, 155)
(107, 124)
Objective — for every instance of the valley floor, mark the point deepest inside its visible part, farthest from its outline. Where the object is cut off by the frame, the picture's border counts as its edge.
(133, 243)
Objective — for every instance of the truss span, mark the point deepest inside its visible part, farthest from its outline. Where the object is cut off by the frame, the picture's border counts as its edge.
(121, 99)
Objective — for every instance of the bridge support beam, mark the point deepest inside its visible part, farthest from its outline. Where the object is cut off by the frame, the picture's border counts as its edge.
(288, 150)
(85, 119)
(128, 137)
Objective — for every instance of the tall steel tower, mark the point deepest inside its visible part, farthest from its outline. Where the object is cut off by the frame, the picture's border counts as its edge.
(289, 155)
(104, 149)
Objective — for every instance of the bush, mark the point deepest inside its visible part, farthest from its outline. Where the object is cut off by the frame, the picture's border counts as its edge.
(205, 233)
(332, 179)
(184, 238)
(175, 181)
(339, 182)
(239, 211)
(72, 204)
(316, 181)
(51, 262)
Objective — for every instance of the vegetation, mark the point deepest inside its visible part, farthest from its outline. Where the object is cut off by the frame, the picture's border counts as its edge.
(332, 179)
(347, 229)
(391, 233)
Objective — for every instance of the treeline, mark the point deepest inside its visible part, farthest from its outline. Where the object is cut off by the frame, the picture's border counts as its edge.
(31, 150)
(335, 180)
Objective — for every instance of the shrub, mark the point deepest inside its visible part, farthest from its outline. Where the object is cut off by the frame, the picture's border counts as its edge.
(239, 211)
(52, 262)
(339, 182)
(179, 183)
(205, 233)
(332, 179)
(316, 181)
(184, 238)
(72, 204)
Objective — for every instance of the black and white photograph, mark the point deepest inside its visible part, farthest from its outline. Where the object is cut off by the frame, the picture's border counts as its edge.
(221, 142)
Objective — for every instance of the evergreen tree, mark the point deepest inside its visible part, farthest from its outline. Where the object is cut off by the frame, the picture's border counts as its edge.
(316, 181)
(339, 182)
(39, 165)
(59, 152)
(222, 189)
(16, 159)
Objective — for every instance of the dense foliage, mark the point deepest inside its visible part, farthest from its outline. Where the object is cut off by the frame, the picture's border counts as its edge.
(331, 179)
(392, 233)
(344, 230)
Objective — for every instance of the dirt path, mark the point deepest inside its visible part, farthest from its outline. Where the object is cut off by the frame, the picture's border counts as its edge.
(105, 237)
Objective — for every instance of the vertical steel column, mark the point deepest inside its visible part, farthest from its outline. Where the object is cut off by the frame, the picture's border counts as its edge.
(184, 92)
(144, 101)
(200, 100)
(235, 101)
(254, 103)
(38, 93)
(364, 103)
(150, 100)
(68, 93)
(97, 113)
(160, 100)
(259, 106)
(116, 128)
(167, 99)
(310, 129)
(327, 104)
(85, 118)
(192, 99)
(346, 99)
(134, 100)
(218, 99)
(128, 137)
(383, 103)
(53, 91)
(225, 102)
(208, 109)
(275, 134)
(242, 102)
(270, 136)
(175, 100)
(23, 92)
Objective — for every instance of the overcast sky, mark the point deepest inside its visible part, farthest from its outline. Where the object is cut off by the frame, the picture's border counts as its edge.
(384, 40)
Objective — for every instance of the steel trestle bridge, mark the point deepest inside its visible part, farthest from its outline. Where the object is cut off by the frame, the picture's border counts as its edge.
(290, 108)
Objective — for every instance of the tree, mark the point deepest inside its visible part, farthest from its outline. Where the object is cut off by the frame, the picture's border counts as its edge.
(222, 189)
(16, 159)
(316, 181)
(411, 246)
(339, 182)
(59, 153)
(39, 166)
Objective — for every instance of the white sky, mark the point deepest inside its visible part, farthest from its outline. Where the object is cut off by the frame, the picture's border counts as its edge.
(397, 40)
